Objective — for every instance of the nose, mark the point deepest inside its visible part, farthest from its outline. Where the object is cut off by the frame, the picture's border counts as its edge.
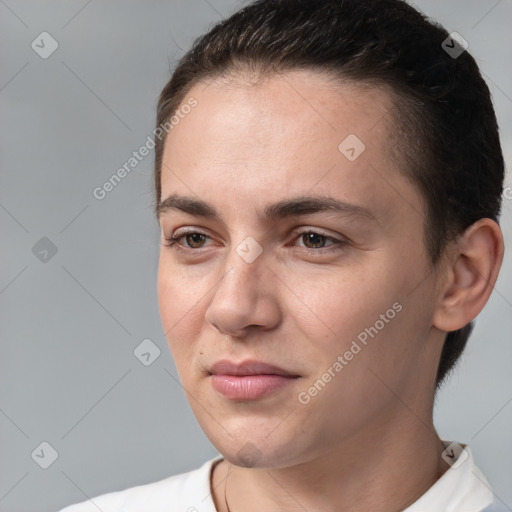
(245, 298)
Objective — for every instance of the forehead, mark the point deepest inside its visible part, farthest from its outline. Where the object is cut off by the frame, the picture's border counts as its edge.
(287, 135)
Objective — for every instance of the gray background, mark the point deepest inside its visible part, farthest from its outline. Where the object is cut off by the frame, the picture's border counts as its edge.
(69, 326)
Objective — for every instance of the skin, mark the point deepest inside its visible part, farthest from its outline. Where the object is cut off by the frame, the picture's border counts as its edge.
(356, 444)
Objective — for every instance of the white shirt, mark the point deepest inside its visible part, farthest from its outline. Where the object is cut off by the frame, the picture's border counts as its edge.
(461, 489)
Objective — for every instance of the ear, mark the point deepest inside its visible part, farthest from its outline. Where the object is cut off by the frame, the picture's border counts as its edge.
(473, 268)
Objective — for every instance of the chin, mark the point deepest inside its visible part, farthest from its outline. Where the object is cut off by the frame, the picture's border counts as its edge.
(259, 450)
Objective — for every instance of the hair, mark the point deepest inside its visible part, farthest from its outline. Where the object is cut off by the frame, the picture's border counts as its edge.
(443, 127)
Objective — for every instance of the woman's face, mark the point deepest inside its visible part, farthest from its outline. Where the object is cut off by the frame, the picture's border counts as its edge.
(340, 299)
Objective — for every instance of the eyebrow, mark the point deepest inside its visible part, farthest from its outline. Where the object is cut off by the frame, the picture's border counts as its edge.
(297, 206)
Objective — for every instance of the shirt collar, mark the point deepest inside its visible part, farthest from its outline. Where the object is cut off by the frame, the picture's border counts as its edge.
(462, 488)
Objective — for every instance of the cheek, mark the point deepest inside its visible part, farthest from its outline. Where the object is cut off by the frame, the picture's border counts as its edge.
(351, 323)
(180, 307)
(337, 305)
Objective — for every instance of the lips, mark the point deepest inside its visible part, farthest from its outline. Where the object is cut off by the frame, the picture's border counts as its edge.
(251, 367)
(250, 380)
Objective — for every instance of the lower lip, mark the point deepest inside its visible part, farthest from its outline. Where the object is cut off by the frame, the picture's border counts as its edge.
(248, 387)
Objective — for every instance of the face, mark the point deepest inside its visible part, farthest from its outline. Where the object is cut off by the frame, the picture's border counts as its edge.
(339, 298)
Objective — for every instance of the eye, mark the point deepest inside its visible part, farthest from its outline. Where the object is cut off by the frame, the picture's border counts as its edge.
(316, 238)
(193, 238)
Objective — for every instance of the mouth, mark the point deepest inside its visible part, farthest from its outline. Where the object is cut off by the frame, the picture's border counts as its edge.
(249, 380)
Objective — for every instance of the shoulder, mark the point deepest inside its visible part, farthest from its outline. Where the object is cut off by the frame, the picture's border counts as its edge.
(186, 492)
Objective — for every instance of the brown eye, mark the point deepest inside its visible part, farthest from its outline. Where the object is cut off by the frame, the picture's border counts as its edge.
(194, 239)
(316, 239)
(315, 242)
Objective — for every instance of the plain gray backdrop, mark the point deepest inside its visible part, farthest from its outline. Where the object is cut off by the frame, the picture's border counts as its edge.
(78, 274)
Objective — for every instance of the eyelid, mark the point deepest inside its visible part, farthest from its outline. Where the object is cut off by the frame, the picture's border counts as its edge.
(319, 231)
(301, 230)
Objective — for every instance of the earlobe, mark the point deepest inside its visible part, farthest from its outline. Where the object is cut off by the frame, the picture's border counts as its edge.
(473, 272)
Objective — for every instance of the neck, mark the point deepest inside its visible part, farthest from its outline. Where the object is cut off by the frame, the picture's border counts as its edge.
(381, 469)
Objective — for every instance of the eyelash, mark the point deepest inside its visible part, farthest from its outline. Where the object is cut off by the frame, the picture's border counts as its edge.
(172, 242)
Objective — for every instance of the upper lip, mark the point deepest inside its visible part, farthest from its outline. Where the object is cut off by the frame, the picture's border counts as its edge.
(249, 367)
